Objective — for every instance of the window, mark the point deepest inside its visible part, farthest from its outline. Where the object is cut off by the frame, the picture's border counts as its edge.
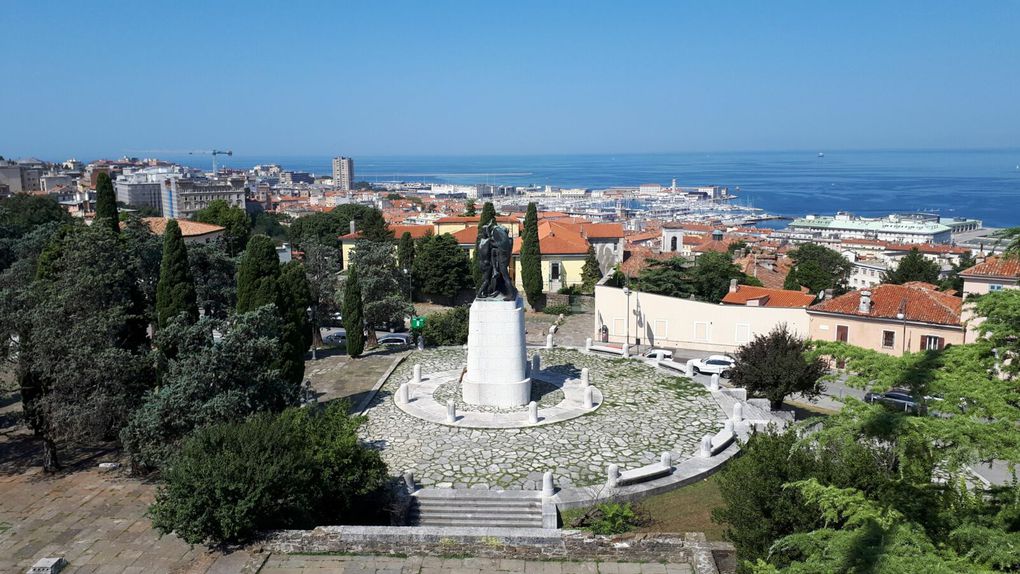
(995, 287)
(701, 332)
(743, 333)
(888, 339)
(554, 270)
(932, 343)
(842, 333)
(672, 243)
(660, 328)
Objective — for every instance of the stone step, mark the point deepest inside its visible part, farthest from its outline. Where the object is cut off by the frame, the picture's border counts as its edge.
(468, 503)
(476, 509)
(480, 522)
(517, 512)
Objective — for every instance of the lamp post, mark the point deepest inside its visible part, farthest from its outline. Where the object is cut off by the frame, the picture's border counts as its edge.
(407, 273)
(626, 321)
(311, 321)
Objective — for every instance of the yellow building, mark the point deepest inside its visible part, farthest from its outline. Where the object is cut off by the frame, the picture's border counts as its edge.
(564, 250)
(456, 223)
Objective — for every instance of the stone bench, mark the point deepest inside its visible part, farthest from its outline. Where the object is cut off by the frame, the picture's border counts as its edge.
(644, 473)
(722, 439)
(607, 349)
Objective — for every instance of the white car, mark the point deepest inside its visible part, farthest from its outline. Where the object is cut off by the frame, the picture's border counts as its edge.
(714, 365)
(666, 355)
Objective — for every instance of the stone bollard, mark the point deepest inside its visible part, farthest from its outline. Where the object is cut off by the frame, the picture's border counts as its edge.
(403, 394)
(587, 345)
(626, 351)
(612, 475)
(451, 411)
(548, 341)
(706, 446)
(658, 358)
(689, 368)
(533, 413)
(409, 481)
(714, 384)
(536, 363)
(666, 460)
(738, 413)
(585, 377)
(728, 426)
(589, 397)
(547, 484)
(416, 374)
(552, 329)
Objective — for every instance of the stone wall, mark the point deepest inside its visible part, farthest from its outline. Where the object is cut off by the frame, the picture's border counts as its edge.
(517, 543)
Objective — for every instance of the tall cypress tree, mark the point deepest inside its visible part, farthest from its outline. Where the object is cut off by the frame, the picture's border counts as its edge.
(531, 258)
(488, 216)
(405, 252)
(258, 275)
(591, 273)
(106, 202)
(354, 319)
(296, 337)
(175, 292)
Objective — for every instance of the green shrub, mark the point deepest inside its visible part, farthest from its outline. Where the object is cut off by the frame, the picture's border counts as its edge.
(610, 518)
(445, 328)
(296, 469)
(558, 310)
(570, 290)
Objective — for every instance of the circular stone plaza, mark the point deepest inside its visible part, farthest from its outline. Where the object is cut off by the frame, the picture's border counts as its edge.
(635, 412)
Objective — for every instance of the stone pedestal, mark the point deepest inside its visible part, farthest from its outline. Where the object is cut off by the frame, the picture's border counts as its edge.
(497, 357)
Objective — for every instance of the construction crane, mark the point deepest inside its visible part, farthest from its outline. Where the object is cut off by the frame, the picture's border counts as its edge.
(213, 153)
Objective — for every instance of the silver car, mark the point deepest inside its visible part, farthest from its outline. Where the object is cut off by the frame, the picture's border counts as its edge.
(715, 365)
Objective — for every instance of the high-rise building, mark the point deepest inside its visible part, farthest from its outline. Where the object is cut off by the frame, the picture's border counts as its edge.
(343, 173)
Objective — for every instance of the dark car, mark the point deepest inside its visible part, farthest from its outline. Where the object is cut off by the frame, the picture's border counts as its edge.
(396, 340)
(897, 400)
(337, 338)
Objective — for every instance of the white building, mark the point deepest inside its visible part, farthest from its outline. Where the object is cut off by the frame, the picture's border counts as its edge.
(343, 173)
(891, 228)
(182, 197)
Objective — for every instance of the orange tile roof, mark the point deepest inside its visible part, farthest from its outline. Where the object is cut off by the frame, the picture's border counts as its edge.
(416, 231)
(475, 219)
(773, 278)
(919, 302)
(718, 246)
(1002, 267)
(467, 235)
(557, 238)
(157, 225)
(768, 297)
(602, 230)
(638, 259)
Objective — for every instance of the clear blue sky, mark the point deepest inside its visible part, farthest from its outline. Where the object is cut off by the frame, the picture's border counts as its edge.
(434, 77)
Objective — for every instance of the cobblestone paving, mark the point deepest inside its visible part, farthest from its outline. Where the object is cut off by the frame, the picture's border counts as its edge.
(645, 413)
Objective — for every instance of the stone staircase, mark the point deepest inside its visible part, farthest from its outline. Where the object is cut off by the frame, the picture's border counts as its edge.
(476, 508)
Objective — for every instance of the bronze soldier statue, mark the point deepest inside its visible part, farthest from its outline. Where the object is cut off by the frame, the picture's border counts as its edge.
(494, 250)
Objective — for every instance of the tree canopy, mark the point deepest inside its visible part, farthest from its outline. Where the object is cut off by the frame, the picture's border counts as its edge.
(258, 275)
(106, 202)
(175, 295)
(379, 276)
(440, 266)
(591, 273)
(235, 220)
(707, 279)
(818, 268)
(776, 365)
(531, 258)
(913, 267)
(353, 314)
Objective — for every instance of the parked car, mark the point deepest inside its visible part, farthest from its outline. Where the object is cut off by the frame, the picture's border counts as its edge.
(336, 338)
(897, 400)
(333, 320)
(395, 340)
(715, 365)
(666, 354)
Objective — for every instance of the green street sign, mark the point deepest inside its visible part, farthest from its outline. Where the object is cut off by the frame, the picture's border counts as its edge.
(417, 322)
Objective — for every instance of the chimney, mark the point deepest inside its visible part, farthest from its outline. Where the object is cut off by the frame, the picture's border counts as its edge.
(828, 294)
(865, 306)
(354, 226)
(733, 285)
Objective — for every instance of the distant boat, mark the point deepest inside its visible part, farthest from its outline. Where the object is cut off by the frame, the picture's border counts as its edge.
(820, 154)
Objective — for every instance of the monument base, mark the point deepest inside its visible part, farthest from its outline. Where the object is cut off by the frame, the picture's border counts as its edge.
(497, 355)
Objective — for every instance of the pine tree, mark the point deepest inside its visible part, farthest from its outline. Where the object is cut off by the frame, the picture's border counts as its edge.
(531, 258)
(258, 275)
(175, 292)
(106, 202)
(488, 216)
(913, 267)
(405, 252)
(296, 335)
(354, 322)
(591, 272)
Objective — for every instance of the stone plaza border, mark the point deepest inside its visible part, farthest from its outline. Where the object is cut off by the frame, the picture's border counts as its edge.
(514, 543)
(422, 404)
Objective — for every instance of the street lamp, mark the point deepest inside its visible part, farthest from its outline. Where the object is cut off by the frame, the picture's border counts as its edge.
(626, 321)
(407, 272)
(311, 320)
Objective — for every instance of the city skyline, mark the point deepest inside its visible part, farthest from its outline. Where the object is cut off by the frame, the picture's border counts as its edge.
(452, 79)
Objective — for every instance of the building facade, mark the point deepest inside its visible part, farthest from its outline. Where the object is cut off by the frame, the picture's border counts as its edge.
(181, 198)
(891, 228)
(343, 173)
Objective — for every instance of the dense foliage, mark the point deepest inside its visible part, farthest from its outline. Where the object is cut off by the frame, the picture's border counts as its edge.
(913, 267)
(353, 314)
(326, 228)
(447, 328)
(591, 273)
(405, 252)
(234, 220)
(441, 267)
(175, 294)
(818, 268)
(106, 202)
(20, 214)
(322, 265)
(387, 303)
(218, 372)
(531, 259)
(258, 275)
(296, 328)
(214, 274)
(777, 365)
(707, 279)
(298, 469)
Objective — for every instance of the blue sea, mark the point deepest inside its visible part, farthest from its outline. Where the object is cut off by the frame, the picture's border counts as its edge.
(981, 184)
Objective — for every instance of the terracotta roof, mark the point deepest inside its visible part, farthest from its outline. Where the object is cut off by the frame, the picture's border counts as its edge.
(919, 302)
(602, 230)
(768, 297)
(1001, 267)
(474, 219)
(557, 239)
(416, 231)
(157, 225)
(773, 278)
(467, 235)
(638, 259)
(716, 245)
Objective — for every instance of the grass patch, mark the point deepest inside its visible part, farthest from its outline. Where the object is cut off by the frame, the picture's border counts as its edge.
(4, 527)
(686, 509)
(802, 411)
